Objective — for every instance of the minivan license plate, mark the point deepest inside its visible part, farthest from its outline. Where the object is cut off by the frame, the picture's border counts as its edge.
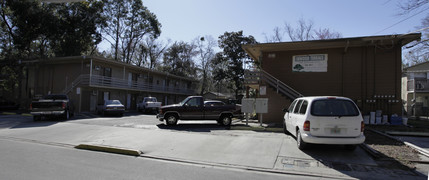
(335, 131)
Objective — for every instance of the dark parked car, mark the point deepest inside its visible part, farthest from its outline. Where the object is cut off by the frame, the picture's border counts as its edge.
(195, 108)
(111, 107)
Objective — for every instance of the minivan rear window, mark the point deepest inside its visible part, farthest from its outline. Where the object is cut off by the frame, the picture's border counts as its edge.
(334, 107)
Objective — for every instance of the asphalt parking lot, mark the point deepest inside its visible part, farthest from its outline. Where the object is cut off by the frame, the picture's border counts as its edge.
(200, 142)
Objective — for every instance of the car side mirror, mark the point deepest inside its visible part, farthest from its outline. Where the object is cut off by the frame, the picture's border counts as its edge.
(285, 110)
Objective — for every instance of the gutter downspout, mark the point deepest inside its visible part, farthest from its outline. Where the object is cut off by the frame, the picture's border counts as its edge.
(342, 67)
(90, 73)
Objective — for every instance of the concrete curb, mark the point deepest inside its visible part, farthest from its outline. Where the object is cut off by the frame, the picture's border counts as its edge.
(247, 168)
(109, 149)
(374, 153)
(421, 134)
(420, 150)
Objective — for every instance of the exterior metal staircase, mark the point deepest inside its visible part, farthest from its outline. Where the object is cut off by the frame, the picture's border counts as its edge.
(76, 82)
(255, 77)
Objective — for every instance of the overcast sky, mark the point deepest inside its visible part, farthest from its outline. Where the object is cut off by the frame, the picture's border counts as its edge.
(184, 20)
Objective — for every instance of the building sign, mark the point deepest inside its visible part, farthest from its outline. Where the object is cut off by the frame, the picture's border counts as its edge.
(310, 63)
(263, 90)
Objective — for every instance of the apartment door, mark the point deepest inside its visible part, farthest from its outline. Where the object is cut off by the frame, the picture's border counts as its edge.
(130, 79)
(128, 101)
(106, 96)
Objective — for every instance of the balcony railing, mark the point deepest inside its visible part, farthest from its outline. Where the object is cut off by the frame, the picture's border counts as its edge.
(118, 83)
(418, 85)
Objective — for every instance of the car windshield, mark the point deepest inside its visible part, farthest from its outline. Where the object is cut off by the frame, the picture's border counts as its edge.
(54, 96)
(113, 102)
(334, 107)
(150, 99)
(184, 101)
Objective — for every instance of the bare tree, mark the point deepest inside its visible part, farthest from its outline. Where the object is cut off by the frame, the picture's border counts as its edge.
(325, 33)
(150, 52)
(128, 22)
(304, 30)
(205, 48)
(411, 5)
(277, 36)
(418, 51)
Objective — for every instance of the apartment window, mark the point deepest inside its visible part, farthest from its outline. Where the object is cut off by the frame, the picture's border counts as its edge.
(107, 72)
(135, 77)
(151, 79)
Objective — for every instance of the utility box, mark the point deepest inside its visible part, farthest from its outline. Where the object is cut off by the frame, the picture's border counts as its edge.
(247, 105)
(261, 105)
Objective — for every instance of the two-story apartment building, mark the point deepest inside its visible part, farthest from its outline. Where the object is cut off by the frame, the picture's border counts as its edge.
(366, 69)
(415, 89)
(89, 80)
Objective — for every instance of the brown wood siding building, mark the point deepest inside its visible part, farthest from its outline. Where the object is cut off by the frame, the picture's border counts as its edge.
(365, 69)
(88, 81)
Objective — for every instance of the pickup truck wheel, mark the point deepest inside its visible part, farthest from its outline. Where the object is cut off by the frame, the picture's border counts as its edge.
(225, 120)
(301, 144)
(171, 120)
(66, 115)
(36, 118)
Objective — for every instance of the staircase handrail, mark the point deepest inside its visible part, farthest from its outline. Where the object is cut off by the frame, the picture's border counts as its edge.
(76, 82)
(280, 86)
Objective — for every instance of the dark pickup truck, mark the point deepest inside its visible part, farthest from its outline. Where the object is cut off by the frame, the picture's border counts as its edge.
(52, 105)
(195, 108)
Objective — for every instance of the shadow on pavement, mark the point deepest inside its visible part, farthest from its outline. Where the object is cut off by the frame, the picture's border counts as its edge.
(48, 121)
(352, 164)
(193, 127)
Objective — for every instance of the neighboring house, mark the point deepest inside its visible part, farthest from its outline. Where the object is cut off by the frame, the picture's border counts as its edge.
(415, 89)
(365, 69)
(90, 80)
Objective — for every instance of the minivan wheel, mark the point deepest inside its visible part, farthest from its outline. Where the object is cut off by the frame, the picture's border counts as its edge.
(350, 147)
(171, 120)
(301, 144)
(225, 120)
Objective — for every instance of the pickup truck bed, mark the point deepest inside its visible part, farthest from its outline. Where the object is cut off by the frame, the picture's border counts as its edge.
(51, 106)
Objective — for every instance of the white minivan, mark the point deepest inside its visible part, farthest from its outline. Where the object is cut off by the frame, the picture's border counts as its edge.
(324, 120)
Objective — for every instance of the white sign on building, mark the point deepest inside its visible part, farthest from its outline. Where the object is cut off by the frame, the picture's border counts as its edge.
(262, 90)
(310, 63)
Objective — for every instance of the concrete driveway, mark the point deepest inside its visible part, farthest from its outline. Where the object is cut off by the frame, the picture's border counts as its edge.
(207, 144)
